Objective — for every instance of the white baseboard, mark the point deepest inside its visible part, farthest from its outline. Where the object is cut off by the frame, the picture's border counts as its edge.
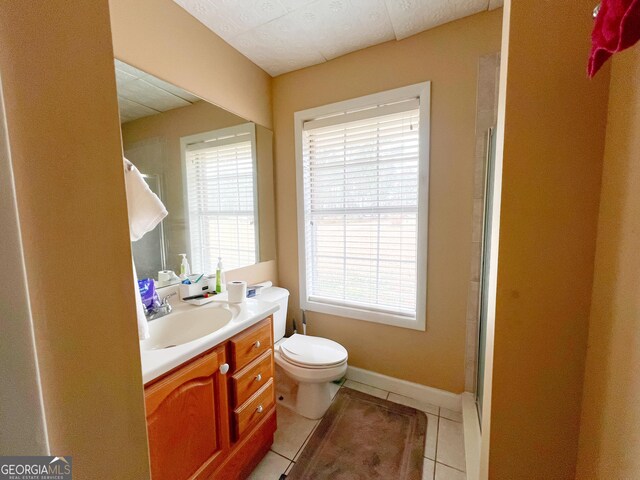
(471, 436)
(434, 396)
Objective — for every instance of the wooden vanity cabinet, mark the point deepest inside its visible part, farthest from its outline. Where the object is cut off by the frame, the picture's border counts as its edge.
(214, 416)
(187, 420)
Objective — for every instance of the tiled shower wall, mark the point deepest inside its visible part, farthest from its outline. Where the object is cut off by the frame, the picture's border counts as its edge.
(486, 116)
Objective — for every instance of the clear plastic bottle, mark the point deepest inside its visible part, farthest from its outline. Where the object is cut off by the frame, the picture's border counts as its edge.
(185, 268)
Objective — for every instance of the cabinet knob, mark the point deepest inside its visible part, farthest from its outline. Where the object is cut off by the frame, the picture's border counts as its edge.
(259, 409)
(224, 368)
(257, 344)
(259, 377)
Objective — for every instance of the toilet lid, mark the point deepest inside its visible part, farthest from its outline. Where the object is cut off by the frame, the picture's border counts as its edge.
(311, 351)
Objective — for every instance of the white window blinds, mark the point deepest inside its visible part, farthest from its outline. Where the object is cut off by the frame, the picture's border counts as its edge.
(222, 212)
(361, 188)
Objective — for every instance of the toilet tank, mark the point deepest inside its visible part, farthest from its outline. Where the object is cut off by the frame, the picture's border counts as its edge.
(281, 297)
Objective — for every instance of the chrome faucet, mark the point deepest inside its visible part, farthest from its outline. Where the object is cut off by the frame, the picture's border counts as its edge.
(164, 308)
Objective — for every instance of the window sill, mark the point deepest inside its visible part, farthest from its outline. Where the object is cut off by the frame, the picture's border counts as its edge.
(365, 315)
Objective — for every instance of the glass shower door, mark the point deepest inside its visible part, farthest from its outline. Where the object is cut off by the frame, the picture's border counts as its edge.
(484, 267)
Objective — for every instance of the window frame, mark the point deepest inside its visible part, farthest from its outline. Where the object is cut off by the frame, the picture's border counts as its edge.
(421, 91)
(188, 140)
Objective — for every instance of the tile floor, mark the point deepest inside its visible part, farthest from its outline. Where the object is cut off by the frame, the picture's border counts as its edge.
(444, 446)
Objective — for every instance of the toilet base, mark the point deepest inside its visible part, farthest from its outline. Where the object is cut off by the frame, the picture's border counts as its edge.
(311, 400)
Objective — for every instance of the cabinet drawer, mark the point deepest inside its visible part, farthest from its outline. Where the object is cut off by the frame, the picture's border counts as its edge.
(254, 409)
(248, 381)
(251, 344)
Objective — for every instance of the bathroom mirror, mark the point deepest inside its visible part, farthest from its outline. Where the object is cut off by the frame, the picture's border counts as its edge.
(213, 171)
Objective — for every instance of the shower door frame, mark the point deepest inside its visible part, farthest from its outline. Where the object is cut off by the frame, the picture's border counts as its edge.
(485, 244)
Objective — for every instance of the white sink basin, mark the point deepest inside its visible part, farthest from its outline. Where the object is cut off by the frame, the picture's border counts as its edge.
(183, 327)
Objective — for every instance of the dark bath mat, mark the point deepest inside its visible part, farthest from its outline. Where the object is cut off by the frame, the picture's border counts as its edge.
(364, 438)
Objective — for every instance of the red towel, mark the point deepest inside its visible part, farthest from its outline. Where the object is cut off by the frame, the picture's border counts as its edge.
(617, 27)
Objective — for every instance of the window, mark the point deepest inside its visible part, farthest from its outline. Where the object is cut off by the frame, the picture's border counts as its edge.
(220, 169)
(362, 169)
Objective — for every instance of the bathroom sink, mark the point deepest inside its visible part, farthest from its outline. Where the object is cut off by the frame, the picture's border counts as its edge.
(183, 327)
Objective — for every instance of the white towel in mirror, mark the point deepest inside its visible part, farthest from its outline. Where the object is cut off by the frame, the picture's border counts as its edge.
(145, 211)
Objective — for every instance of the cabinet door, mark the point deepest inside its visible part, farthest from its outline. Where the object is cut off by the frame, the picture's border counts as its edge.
(187, 420)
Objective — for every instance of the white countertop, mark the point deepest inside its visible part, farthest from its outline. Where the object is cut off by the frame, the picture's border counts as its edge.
(250, 312)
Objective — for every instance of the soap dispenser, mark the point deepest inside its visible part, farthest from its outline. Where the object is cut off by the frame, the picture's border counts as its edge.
(185, 268)
(220, 281)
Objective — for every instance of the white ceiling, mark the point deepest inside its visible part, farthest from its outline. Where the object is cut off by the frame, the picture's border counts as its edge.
(285, 35)
(141, 95)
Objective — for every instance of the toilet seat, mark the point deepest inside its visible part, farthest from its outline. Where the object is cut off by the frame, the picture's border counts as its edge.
(311, 352)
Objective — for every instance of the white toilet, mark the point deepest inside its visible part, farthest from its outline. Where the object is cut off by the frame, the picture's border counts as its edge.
(305, 365)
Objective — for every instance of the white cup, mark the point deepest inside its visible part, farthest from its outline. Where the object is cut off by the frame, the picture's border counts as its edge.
(236, 291)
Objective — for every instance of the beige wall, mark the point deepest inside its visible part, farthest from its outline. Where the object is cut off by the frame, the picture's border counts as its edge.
(554, 121)
(609, 434)
(23, 429)
(62, 115)
(161, 38)
(168, 128)
(448, 56)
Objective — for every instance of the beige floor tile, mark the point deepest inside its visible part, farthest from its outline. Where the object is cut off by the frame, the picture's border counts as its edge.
(361, 387)
(432, 437)
(447, 473)
(295, 459)
(411, 402)
(428, 469)
(270, 468)
(293, 430)
(451, 415)
(450, 449)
